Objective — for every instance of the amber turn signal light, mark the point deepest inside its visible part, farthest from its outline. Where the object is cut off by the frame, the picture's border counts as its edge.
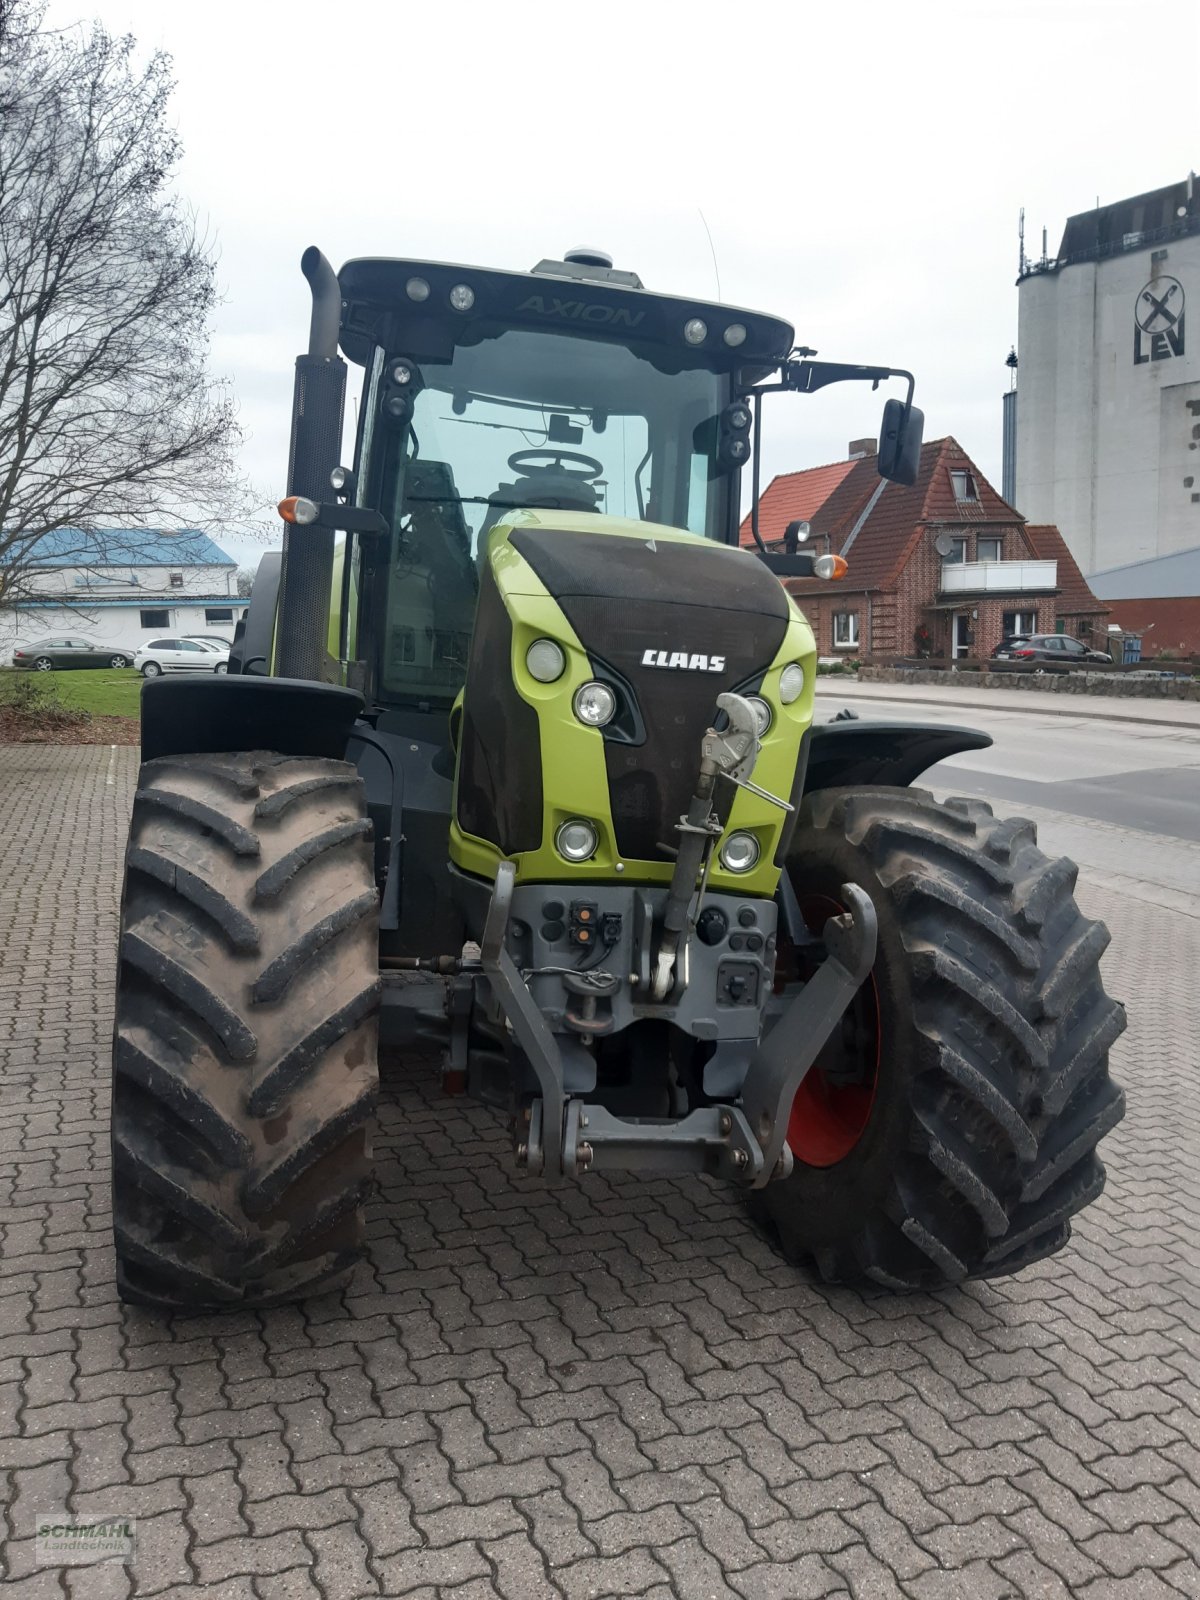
(830, 567)
(297, 509)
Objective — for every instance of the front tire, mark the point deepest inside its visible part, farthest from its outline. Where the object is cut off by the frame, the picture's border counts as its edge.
(151, 669)
(119, 661)
(244, 1066)
(984, 1087)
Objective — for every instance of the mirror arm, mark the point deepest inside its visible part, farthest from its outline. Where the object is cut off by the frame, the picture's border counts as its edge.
(804, 376)
(808, 376)
(360, 520)
(756, 479)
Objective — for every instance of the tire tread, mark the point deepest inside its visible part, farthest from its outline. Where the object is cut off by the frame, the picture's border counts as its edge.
(1010, 1092)
(244, 1080)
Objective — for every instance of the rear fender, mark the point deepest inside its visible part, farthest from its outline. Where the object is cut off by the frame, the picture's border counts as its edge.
(843, 754)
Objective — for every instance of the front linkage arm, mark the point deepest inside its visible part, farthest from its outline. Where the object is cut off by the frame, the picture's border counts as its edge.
(781, 1062)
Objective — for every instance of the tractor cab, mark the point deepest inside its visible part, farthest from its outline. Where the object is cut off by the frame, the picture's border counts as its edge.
(569, 388)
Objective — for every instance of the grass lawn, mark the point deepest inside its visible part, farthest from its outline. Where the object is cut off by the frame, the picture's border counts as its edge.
(103, 692)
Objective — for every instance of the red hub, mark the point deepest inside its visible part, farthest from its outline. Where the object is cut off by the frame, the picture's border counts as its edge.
(833, 1105)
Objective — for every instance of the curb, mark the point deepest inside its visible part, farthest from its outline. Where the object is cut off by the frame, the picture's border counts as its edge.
(986, 705)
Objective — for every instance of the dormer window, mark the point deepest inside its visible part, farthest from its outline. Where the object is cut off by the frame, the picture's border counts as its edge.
(963, 484)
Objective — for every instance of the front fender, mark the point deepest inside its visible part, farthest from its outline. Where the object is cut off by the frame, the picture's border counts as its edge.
(209, 712)
(844, 754)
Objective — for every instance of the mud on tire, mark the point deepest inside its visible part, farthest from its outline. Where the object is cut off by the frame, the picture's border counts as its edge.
(244, 1062)
(993, 1088)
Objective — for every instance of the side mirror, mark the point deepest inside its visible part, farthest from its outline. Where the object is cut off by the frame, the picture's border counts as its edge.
(900, 442)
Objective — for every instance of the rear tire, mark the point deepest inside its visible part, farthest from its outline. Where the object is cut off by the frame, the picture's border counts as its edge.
(44, 664)
(992, 1089)
(244, 1066)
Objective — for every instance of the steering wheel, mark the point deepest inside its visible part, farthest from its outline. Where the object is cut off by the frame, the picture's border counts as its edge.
(538, 461)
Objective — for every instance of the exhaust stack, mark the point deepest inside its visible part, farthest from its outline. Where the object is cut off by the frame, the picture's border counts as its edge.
(318, 399)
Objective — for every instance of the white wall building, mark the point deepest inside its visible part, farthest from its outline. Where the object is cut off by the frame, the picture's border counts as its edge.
(130, 586)
(1108, 407)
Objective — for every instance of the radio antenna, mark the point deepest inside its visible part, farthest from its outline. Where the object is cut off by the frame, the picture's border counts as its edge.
(712, 248)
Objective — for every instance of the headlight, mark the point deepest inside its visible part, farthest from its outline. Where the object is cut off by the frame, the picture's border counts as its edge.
(576, 840)
(734, 335)
(739, 852)
(695, 331)
(462, 297)
(417, 289)
(791, 682)
(545, 661)
(762, 712)
(595, 704)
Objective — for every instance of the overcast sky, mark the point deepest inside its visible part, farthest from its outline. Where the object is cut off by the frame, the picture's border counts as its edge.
(860, 166)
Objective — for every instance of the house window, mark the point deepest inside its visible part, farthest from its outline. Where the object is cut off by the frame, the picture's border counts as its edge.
(218, 613)
(957, 555)
(988, 549)
(1019, 624)
(176, 580)
(963, 484)
(156, 619)
(845, 630)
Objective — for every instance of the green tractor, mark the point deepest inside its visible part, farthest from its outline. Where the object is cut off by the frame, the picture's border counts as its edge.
(516, 758)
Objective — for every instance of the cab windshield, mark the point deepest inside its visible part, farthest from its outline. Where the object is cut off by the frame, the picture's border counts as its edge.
(523, 419)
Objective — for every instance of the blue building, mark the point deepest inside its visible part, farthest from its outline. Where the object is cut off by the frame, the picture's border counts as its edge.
(123, 587)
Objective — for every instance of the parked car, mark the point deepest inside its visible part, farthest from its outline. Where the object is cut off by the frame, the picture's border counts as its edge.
(1049, 651)
(179, 655)
(74, 650)
(1006, 646)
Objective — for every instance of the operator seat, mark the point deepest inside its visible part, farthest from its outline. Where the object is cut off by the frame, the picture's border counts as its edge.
(550, 489)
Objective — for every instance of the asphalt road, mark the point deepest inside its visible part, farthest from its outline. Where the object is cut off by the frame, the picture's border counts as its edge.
(1120, 796)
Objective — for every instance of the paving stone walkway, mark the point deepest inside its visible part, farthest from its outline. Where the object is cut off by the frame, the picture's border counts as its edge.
(611, 1389)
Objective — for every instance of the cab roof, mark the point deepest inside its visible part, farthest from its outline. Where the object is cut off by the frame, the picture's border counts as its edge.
(556, 297)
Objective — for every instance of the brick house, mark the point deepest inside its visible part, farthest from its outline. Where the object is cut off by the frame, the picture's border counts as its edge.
(944, 568)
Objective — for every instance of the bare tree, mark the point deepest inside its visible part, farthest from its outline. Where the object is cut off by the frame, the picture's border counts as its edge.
(245, 581)
(109, 417)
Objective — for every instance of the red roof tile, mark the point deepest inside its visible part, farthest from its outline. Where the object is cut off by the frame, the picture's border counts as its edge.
(941, 502)
(794, 497)
(1075, 598)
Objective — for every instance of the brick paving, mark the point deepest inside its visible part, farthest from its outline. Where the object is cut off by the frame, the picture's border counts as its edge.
(613, 1389)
